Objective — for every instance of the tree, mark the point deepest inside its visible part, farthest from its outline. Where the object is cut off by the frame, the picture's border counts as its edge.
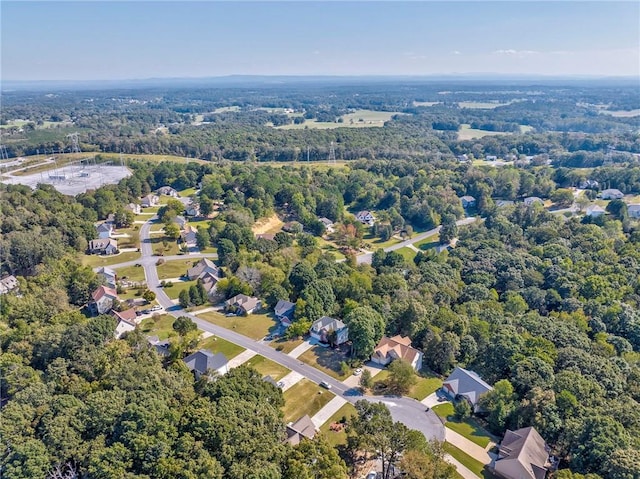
(172, 231)
(206, 205)
(401, 377)
(148, 295)
(184, 325)
(500, 403)
(366, 380)
(366, 327)
(562, 197)
(449, 229)
(226, 252)
(301, 276)
(618, 210)
(462, 409)
(184, 299)
(315, 459)
(203, 239)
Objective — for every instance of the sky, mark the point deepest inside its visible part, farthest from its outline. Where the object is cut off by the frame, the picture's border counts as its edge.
(92, 40)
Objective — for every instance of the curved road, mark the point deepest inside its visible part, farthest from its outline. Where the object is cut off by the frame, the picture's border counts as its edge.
(405, 410)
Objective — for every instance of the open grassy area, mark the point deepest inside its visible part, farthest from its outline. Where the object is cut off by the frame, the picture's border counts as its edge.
(200, 223)
(443, 410)
(164, 245)
(425, 386)
(219, 345)
(132, 273)
(286, 346)
(357, 119)
(429, 242)
(468, 133)
(376, 243)
(338, 437)
(329, 247)
(255, 326)
(132, 241)
(407, 253)
(326, 360)
(469, 462)
(95, 260)
(266, 367)
(273, 224)
(175, 268)
(468, 428)
(304, 397)
(173, 291)
(160, 325)
(425, 103)
(187, 192)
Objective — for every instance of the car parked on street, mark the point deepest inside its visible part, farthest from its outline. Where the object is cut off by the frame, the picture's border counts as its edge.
(325, 385)
(357, 371)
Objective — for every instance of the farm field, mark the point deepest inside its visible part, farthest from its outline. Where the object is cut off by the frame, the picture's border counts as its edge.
(482, 105)
(304, 397)
(426, 103)
(468, 133)
(357, 119)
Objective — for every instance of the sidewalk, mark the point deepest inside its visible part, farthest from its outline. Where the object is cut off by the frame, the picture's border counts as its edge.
(327, 411)
(461, 468)
(290, 379)
(300, 350)
(471, 448)
(241, 358)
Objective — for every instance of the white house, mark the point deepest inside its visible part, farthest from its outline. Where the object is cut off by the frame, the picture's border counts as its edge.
(397, 347)
(103, 246)
(188, 237)
(134, 208)
(634, 211)
(468, 201)
(204, 362)
(365, 217)
(612, 194)
(193, 210)
(126, 321)
(322, 328)
(167, 191)
(328, 224)
(595, 210)
(8, 283)
(246, 304)
(491, 157)
(149, 201)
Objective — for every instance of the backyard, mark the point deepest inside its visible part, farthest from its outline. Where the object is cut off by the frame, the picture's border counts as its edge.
(304, 397)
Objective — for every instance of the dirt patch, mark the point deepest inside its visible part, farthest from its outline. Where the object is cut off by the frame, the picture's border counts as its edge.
(272, 224)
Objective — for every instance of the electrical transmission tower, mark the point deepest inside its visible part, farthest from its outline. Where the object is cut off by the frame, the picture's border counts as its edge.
(3, 153)
(332, 155)
(608, 157)
(75, 144)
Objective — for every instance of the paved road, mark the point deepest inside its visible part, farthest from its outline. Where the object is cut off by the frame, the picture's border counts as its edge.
(406, 410)
(366, 258)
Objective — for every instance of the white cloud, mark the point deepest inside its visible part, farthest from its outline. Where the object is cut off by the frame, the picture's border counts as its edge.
(518, 53)
(456, 52)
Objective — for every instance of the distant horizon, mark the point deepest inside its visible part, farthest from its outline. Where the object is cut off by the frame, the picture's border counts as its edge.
(140, 40)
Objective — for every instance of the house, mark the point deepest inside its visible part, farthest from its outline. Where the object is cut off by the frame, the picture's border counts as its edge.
(209, 282)
(491, 157)
(203, 266)
(104, 230)
(365, 217)
(321, 329)
(266, 236)
(149, 201)
(292, 227)
(204, 362)
(612, 194)
(245, 304)
(102, 300)
(634, 211)
(468, 201)
(134, 208)
(462, 158)
(523, 454)
(103, 246)
(126, 321)
(8, 284)
(328, 224)
(504, 203)
(466, 384)
(111, 219)
(595, 211)
(189, 237)
(108, 275)
(303, 428)
(589, 184)
(160, 346)
(167, 191)
(284, 312)
(528, 201)
(181, 221)
(192, 210)
(397, 347)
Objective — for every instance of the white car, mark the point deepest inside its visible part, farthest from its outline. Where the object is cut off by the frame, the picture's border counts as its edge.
(357, 371)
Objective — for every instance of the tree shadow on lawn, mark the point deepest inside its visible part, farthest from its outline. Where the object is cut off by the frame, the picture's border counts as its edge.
(330, 358)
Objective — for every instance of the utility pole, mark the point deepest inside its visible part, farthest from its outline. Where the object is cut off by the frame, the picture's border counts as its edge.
(332, 155)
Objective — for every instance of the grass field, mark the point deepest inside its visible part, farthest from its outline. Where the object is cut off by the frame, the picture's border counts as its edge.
(429, 242)
(326, 360)
(158, 245)
(621, 113)
(95, 260)
(357, 119)
(285, 346)
(304, 397)
(469, 462)
(255, 326)
(132, 273)
(160, 326)
(328, 247)
(273, 224)
(336, 438)
(468, 133)
(132, 241)
(424, 387)
(426, 103)
(468, 428)
(187, 192)
(377, 243)
(219, 345)
(173, 291)
(266, 367)
(407, 253)
(175, 268)
(481, 105)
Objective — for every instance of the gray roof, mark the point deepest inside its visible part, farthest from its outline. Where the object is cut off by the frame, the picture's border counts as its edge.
(523, 454)
(303, 428)
(325, 221)
(243, 301)
(467, 198)
(106, 227)
(203, 266)
(8, 283)
(102, 243)
(283, 307)
(106, 271)
(204, 360)
(612, 191)
(328, 324)
(467, 384)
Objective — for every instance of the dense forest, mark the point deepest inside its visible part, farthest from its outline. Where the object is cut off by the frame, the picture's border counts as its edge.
(543, 306)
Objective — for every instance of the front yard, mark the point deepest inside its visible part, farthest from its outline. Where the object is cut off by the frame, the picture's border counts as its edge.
(326, 360)
(255, 326)
(219, 345)
(469, 428)
(286, 346)
(266, 367)
(94, 260)
(469, 462)
(304, 397)
(131, 273)
(173, 291)
(425, 386)
(160, 325)
(163, 246)
(175, 268)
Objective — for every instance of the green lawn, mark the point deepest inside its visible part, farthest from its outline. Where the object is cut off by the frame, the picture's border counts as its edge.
(286, 346)
(328, 247)
(174, 291)
(200, 223)
(407, 253)
(219, 345)
(468, 133)
(266, 367)
(336, 438)
(326, 360)
(158, 245)
(424, 387)
(429, 242)
(304, 397)
(469, 462)
(175, 268)
(95, 260)
(160, 326)
(255, 326)
(133, 241)
(468, 428)
(187, 192)
(377, 243)
(132, 273)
